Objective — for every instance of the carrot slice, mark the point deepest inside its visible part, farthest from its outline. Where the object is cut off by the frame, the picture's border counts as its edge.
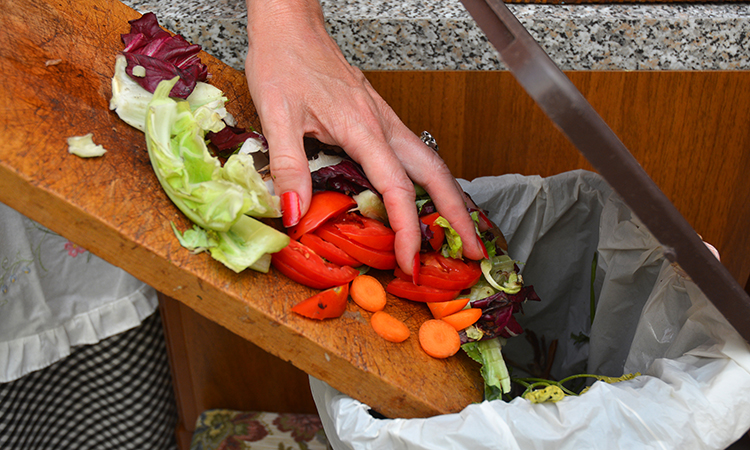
(442, 309)
(464, 318)
(439, 339)
(388, 327)
(368, 293)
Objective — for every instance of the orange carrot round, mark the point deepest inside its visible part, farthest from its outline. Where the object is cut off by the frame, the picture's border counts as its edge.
(439, 339)
(368, 293)
(388, 327)
(464, 318)
(442, 309)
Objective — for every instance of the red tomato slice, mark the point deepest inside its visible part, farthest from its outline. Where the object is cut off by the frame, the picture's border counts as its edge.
(328, 304)
(444, 273)
(438, 233)
(328, 250)
(324, 206)
(410, 291)
(448, 273)
(304, 266)
(369, 232)
(377, 259)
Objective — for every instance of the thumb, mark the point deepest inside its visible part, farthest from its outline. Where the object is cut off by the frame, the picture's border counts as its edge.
(290, 171)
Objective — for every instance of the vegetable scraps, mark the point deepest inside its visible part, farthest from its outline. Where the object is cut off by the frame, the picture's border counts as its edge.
(338, 229)
(159, 88)
(388, 327)
(84, 146)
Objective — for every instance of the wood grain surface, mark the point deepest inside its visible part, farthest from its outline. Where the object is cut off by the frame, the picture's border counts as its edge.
(56, 61)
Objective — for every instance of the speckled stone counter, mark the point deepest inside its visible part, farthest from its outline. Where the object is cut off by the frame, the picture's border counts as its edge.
(440, 34)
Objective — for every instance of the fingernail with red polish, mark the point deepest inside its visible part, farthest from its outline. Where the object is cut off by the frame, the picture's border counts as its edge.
(290, 209)
(415, 270)
(484, 249)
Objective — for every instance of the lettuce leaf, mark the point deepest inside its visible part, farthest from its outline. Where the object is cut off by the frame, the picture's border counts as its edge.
(489, 354)
(217, 199)
(247, 244)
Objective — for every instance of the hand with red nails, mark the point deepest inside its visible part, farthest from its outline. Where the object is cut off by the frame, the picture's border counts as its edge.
(302, 85)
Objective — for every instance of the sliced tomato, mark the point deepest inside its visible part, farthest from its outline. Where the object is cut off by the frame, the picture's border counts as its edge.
(437, 271)
(324, 206)
(301, 264)
(328, 250)
(328, 304)
(377, 259)
(441, 272)
(410, 291)
(366, 231)
(438, 233)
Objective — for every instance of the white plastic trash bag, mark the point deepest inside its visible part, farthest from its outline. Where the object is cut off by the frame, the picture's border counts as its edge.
(694, 391)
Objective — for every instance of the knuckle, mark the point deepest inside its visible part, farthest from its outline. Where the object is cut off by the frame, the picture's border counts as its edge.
(284, 165)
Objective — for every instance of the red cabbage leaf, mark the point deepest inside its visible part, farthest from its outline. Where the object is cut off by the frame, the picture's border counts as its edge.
(346, 177)
(163, 55)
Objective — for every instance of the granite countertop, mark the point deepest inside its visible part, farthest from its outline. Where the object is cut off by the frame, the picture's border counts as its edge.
(440, 34)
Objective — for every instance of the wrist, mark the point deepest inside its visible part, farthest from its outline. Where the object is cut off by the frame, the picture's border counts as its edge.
(289, 14)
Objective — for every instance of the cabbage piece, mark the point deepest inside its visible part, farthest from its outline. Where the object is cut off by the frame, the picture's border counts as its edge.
(321, 160)
(369, 204)
(212, 197)
(84, 146)
(489, 354)
(216, 199)
(130, 100)
(500, 272)
(247, 244)
(240, 169)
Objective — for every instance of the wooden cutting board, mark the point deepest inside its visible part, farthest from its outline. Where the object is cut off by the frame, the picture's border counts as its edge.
(56, 62)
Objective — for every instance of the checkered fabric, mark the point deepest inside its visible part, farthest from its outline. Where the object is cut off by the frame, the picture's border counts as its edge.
(116, 394)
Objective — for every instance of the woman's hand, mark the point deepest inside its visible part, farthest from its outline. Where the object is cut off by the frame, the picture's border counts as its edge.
(302, 85)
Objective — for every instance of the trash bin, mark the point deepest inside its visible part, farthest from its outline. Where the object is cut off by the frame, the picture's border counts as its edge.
(576, 238)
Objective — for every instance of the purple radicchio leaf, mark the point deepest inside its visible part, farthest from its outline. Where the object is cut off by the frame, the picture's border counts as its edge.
(144, 29)
(157, 71)
(497, 312)
(427, 234)
(346, 177)
(231, 138)
(163, 55)
(427, 209)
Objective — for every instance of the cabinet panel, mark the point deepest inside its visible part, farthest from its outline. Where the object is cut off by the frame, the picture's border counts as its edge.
(689, 130)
